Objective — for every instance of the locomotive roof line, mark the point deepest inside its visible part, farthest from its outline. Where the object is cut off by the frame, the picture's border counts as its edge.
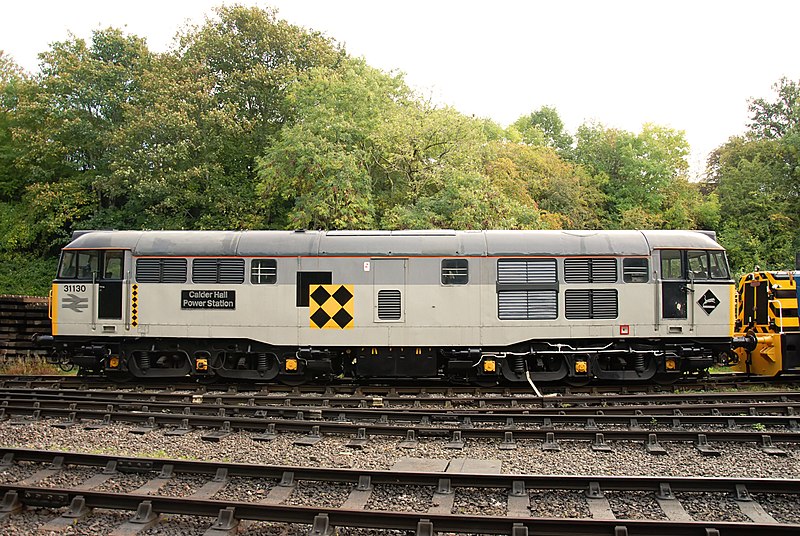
(391, 243)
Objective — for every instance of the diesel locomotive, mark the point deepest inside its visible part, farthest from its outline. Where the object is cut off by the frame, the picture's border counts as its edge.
(464, 306)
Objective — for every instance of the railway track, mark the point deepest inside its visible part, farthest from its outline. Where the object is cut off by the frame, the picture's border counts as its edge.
(430, 387)
(310, 427)
(722, 421)
(602, 497)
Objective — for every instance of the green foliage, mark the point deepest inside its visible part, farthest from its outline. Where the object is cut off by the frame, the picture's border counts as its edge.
(759, 203)
(26, 274)
(564, 195)
(645, 177)
(544, 127)
(757, 180)
(777, 119)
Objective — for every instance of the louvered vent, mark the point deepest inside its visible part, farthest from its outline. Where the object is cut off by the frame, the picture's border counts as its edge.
(604, 270)
(231, 271)
(161, 270)
(527, 304)
(588, 304)
(389, 305)
(588, 270)
(522, 271)
(225, 271)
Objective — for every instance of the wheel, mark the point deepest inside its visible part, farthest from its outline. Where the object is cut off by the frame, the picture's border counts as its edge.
(666, 378)
(293, 380)
(119, 376)
(206, 379)
(486, 382)
(578, 381)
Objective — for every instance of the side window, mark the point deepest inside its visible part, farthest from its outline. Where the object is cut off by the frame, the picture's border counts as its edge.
(718, 267)
(698, 264)
(455, 272)
(68, 270)
(112, 264)
(671, 264)
(263, 271)
(635, 271)
(87, 265)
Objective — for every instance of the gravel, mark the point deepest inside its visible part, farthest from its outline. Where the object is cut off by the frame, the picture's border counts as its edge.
(179, 525)
(183, 485)
(634, 505)
(575, 458)
(711, 507)
(262, 528)
(241, 489)
(561, 504)
(400, 498)
(69, 477)
(319, 494)
(782, 507)
(125, 483)
(480, 501)
(18, 471)
(627, 458)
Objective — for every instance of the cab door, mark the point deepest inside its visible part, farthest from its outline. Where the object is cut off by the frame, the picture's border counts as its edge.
(110, 285)
(674, 286)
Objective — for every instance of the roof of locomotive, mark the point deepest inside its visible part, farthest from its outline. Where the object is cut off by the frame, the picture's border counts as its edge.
(391, 243)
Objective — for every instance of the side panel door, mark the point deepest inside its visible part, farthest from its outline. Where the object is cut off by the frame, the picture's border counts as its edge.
(389, 289)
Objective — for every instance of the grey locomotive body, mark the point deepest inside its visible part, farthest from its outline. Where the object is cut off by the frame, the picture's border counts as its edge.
(465, 305)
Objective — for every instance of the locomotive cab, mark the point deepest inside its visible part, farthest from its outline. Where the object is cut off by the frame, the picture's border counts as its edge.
(88, 300)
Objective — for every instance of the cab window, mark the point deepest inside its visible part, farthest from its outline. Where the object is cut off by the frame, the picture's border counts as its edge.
(82, 265)
(67, 270)
(87, 264)
(698, 264)
(718, 267)
(112, 264)
(671, 264)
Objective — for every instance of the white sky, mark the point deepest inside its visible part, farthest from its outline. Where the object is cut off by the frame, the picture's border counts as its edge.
(690, 65)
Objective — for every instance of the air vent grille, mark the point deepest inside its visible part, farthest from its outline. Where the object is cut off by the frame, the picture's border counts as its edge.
(587, 270)
(161, 270)
(389, 305)
(526, 271)
(527, 304)
(218, 271)
(588, 304)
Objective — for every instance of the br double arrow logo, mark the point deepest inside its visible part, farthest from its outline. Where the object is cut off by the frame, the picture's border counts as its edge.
(74, 302)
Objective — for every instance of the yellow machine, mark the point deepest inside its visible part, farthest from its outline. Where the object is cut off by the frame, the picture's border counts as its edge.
(767, 318)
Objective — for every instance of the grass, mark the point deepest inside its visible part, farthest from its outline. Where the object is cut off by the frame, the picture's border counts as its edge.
(31, 366)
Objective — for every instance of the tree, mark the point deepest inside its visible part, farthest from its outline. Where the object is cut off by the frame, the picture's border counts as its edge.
(772, 120)
(758, 203)
(544, 127)
(565, 195)
(644, 172)
(11, 77)
(757, 180)
(253, 59)
(318, 173)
